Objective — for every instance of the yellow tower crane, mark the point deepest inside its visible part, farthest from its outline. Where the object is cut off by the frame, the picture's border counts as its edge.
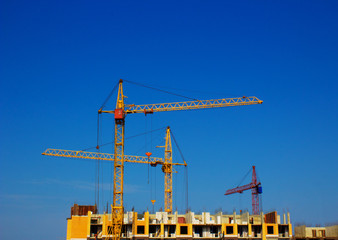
(167, 164)
(120, 113)
(167, 168)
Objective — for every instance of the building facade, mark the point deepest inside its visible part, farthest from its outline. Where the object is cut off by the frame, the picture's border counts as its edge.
(189, 226)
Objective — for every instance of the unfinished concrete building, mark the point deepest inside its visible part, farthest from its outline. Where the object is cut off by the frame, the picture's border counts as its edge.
(316, 233)
(162, 225)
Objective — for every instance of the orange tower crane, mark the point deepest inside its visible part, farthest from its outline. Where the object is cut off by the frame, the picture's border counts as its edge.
(256, 189)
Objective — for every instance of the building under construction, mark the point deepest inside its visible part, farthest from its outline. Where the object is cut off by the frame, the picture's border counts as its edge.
(86, 223)
(161, 225)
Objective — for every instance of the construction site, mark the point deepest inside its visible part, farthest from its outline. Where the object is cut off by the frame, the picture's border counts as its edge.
(169, 120)
(85, 222)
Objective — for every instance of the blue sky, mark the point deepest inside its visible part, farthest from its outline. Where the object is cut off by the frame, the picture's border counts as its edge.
(60, 59)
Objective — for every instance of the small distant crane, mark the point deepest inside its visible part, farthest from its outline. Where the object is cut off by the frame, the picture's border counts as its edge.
(256, 190)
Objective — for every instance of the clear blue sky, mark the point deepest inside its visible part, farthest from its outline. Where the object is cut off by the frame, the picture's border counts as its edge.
(60, 59)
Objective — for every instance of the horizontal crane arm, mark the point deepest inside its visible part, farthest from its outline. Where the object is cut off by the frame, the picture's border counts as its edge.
(189, 105)
(99, 156)
(103, 156)
(241, 188)
(199, 104)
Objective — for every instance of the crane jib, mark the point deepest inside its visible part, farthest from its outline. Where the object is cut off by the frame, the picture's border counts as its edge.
(189, 105)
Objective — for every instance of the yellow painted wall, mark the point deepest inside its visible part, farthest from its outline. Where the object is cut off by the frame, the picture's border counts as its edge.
(290, 230)
(235, 229)
(189, 229)
(263, 231)
(178, 228)
(78, 227)
(144, 223)
(105, 224)
(69, 229)
(134, 221)
(249, 230)
(88, 222)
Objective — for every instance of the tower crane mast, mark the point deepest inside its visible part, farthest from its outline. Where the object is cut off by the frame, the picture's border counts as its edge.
(167, 168)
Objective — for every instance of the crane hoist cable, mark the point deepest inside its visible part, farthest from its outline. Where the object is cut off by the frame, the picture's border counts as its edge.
(186, 170)
(97, 172)
(160, 90)
(109, 96)
(137, 135)
(158, 138)
(146, 145)
(187, 190)
(250, 169)
(149, 149)
(179, 149)
(153, 181)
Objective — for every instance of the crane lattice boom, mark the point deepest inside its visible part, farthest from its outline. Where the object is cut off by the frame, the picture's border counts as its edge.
(241, 188)
(105, 156)
(189, 105)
